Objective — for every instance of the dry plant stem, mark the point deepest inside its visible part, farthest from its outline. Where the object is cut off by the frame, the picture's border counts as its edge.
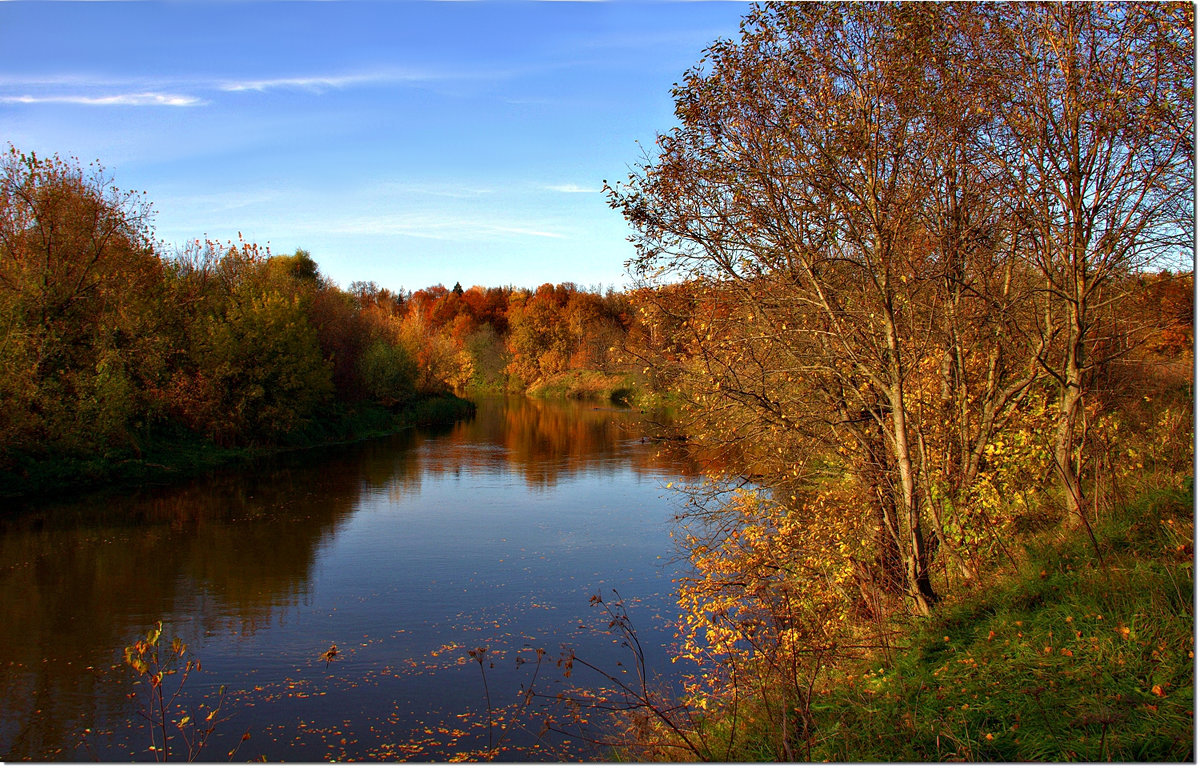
(478, 654)
(636, 698)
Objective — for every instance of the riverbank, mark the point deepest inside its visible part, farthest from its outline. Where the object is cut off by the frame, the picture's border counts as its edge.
(627, 388)
(1084, 653)
(165, 458)
(615, 388)
(1077, 650)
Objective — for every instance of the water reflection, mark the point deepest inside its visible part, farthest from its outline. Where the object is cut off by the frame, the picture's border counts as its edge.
(80, 581)
(228, 558)
(540, 441)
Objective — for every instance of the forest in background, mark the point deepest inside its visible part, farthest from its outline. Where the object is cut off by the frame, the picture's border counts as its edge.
(114, 344)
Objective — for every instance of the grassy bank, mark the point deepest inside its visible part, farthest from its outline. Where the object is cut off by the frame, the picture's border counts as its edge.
(1084, 654)
(630, 389)
(1078, 652)
(169, 457)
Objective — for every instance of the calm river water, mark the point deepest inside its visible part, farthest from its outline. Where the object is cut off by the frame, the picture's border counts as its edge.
(406, 553)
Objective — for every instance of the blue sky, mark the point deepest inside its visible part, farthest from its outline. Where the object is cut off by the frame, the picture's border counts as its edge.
(409, 143)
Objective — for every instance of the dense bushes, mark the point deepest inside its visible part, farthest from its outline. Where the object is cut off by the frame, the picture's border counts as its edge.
(76, 349)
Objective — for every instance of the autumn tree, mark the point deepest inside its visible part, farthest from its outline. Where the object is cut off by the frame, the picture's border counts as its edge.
(1096, 143)
(251, 368)
(976, 374)
(793, 189)
(489, 305)
(342, 333)
(387, 371)
(539, 340)
(898, 224)
(594, 328)
(489, 358)
(80, 286)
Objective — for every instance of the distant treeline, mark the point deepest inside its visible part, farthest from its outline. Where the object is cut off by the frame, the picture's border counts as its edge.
(108, 340)
(502, 338)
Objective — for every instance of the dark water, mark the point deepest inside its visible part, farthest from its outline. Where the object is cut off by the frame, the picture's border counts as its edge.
(406, 553)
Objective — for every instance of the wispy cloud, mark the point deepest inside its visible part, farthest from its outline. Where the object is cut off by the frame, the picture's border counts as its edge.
(148, 99)
(224, 201)
(453, 190)
(93, 90)
(320, 83)
(75, 80)
(528, 232)
(437, 227)
(571, 189)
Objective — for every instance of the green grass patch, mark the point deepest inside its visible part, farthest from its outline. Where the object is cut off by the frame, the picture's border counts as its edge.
(1086, 654)
(616, 388)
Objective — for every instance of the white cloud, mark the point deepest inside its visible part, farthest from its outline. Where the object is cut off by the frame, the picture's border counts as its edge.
(320, 83)
(571, 189)
(147, 99)
(527, 232)
(91, 90)
(100, 90)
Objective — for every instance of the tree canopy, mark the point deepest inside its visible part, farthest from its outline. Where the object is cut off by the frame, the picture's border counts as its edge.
(903, 222)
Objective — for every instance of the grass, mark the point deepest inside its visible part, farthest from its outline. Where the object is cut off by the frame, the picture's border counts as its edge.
(616, 388)
(1081, 655)
(172, 456)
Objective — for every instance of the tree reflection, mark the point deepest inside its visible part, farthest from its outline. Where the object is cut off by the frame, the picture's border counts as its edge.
(545, 442)
(81, 579)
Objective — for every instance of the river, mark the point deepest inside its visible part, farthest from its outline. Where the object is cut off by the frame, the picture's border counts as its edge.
(407, 553)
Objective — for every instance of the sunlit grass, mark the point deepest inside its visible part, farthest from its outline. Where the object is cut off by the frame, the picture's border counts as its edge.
(1081, 656)
(597, 386)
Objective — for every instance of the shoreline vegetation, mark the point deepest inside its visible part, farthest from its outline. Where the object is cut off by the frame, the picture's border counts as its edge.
(1073, 652)
(165, 459)
(168, 459)
(119, 354)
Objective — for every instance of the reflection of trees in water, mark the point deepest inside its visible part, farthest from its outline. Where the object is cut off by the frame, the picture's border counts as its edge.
(81, 581)
(391, 465)
(544, 442)
(260, 557)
